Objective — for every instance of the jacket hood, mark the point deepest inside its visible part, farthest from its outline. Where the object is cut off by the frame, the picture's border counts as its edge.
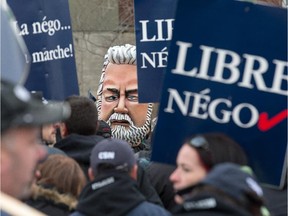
(78, 147)
(110, 195)
(210, 205)
(53, 195)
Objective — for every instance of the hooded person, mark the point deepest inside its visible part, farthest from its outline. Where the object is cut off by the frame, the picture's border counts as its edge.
(228, 189)
(113, 190)
(56, 189)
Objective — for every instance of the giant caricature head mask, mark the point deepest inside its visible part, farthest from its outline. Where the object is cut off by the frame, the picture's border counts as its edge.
(117, 96)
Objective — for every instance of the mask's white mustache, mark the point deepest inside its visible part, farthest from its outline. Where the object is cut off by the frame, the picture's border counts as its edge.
(121, 118)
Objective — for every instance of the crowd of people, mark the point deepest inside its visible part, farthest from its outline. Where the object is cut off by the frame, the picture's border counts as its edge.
(100, 162)
(85, 158)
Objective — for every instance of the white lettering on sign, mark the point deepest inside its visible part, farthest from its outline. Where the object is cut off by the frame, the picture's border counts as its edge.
(49, 55)
(45, 26)
(160, 32)
(164, 30)
(253, 74)
(48, 27)
(106, 155)
(220, 110)
(157, 60)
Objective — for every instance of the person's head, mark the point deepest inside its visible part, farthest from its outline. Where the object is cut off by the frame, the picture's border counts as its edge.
(117, 96)
(62, 173)
(200, 153)
(21, 119)
(48, 133)
(83, 119)
(230, 185)
(112, 155)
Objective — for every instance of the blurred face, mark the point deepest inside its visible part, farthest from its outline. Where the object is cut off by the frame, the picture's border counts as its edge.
(189, 169)
(20, 153)
(49, 133)
(120, 108)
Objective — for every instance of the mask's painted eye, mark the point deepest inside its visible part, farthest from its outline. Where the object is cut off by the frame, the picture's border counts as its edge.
(132, 98)
(111, 98)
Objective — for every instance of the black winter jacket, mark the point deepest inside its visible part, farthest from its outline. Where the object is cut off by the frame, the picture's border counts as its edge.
(79, 148)
(51, 202)
(115, 194)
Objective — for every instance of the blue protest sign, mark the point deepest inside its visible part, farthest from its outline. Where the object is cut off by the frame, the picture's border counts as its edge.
(153, 30)
(46, 29)
(227, 72)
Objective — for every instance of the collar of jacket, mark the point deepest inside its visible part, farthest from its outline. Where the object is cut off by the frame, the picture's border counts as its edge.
(110, 194)
(53, 195)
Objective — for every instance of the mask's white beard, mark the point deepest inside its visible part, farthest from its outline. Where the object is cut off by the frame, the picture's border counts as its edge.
(134, 135)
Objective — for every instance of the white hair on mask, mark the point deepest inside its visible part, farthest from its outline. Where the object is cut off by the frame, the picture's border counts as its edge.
(123, 54)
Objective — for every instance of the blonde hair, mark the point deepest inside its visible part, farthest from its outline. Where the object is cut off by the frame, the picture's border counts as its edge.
(63, 173)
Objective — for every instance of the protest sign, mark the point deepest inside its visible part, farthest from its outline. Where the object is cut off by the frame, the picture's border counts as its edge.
(153, 31)
(227, 72)
(46, 29)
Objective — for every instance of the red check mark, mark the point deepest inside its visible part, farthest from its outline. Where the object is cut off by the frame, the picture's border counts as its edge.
(265, 124)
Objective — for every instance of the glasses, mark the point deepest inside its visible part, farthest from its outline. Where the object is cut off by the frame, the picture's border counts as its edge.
(202, 146)
(199, 142)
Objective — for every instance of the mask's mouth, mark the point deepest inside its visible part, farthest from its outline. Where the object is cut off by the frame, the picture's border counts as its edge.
(124, 123)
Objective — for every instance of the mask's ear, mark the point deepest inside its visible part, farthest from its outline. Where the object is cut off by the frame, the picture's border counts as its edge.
(133, 172)
(91, 174)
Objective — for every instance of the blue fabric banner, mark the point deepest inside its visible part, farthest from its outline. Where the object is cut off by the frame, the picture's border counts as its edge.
(153, 30)
(46, 29)
(227, 72)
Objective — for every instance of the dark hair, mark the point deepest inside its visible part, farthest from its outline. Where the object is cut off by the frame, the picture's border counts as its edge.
(218, 148)
(63, 173)
(84, 116)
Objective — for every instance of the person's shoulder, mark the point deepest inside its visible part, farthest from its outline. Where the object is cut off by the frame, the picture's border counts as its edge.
(166, 169)
(97, 138)
(276, 200)
(76, 213)
(92, 139)
(51, 150)
(149, 209)
(3, 213)
(74, 140)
